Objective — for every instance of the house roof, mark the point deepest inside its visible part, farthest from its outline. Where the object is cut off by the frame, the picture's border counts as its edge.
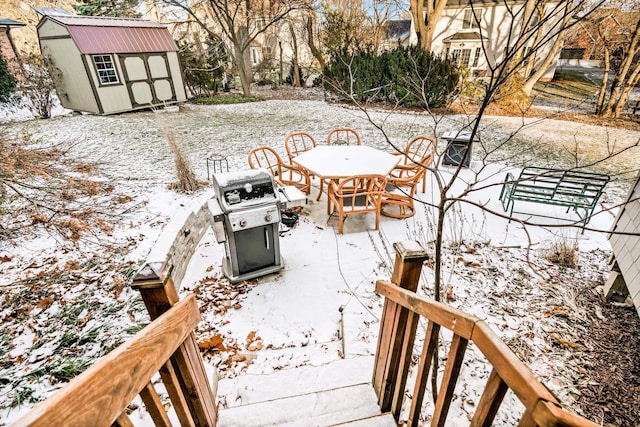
(51, 11)
(95, 35)
(465, 35)
(397, 29)
(10, 23)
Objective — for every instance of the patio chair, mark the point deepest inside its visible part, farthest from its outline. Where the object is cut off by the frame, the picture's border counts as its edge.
(399, 195)
(297, 143)
(283, 173)
(418, 154)
(356, 195)
(343, 136)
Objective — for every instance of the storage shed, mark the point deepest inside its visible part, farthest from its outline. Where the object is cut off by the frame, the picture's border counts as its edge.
(625, 277)
(111, 65)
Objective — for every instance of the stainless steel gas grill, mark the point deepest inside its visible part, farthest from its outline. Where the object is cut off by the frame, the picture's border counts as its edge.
(246, 218)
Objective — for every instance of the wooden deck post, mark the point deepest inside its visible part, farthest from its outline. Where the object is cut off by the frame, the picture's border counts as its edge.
(397, 330)
(185, 377)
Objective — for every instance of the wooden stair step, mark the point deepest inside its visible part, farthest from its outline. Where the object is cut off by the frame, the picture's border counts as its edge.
(355, 403)
(381, 420)
(251, 389)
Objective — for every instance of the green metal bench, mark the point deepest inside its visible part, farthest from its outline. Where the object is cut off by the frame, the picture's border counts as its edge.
(572, 189)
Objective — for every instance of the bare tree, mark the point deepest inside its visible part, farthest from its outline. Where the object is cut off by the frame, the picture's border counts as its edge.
(628, 72)
(426, 15)
(241, 22)
(448, 192)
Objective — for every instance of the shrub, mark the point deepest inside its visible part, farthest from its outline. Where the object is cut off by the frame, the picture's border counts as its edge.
(289, 79)
(7, 81)
(510, 95)
(203, 67)
(562, 252)
(38, 89)
(407, 76)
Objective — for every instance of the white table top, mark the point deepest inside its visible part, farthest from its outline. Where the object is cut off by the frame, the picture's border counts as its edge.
(339, 161)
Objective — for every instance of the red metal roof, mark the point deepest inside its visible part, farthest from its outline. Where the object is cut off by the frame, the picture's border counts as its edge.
(95, 35)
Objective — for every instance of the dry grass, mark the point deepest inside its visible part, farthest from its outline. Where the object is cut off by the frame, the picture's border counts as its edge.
(187, 180)
(563, 252)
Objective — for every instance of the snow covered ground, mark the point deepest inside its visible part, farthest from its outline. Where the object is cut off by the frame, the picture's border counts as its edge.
(493, 269)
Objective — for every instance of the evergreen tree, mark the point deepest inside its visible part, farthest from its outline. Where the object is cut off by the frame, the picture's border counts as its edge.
(114, 8)
(7, 81)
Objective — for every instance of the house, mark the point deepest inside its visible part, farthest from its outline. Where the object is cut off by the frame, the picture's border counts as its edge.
(7, 46)
(584, 42)
(477, 37)
(397, 33)
(625, 278)
(111, 65)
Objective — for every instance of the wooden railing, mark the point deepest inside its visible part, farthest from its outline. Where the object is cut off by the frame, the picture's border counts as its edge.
(100, 395)
(402, 310)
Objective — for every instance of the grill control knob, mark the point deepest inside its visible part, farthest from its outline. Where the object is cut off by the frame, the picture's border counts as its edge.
(268, 217)
(243, 223)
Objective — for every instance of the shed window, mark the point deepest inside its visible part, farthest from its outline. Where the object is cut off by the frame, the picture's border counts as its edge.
(106, 69)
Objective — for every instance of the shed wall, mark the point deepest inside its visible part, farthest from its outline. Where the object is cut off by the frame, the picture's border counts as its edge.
(113, 98)
(49, 28)
(72, 84)
(176, 74)
(627, 248)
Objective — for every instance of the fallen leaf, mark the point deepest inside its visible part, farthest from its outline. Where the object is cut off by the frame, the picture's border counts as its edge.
(45, 302)
(5, 258)
(238, 358)
(215, 341)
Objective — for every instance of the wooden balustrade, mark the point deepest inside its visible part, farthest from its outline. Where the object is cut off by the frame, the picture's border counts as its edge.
(401, 312)
(100, 395)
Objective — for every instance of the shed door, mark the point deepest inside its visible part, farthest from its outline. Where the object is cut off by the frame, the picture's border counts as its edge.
(148, 79)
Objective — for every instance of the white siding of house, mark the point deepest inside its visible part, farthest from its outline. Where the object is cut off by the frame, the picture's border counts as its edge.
(494, 26)
(627, 248)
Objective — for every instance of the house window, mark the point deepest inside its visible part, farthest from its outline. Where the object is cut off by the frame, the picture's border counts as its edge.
(469, 21)
(476, 57)
(461, 56)
(106, 69)
(255, 56)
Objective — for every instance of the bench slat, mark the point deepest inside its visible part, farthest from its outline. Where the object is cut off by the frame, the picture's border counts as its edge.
(577, 190)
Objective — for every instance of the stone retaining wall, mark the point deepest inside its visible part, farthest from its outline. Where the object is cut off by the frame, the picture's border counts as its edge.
(180, 238)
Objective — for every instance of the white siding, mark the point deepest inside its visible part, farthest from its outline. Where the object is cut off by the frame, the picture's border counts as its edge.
(495, 26)
(627, 248)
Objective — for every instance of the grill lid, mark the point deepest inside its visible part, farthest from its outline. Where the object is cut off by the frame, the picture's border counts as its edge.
(242, 189)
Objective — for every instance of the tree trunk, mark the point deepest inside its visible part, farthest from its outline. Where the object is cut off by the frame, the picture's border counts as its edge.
(433, 19)
(531, 61)
(527, 88)
(417, 14)
(241, 54)
(425, 23)
(605, 81)
(626, 93)
(317, 54)
(152, 8)
(295, 81)
(621, 76)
